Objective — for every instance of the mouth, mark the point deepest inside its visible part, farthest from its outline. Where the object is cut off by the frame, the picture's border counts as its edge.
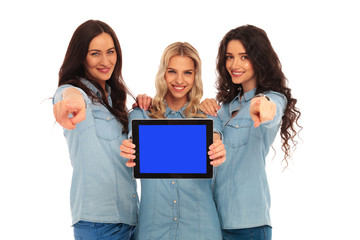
(237, 73)
(178, 88)
(104, 70)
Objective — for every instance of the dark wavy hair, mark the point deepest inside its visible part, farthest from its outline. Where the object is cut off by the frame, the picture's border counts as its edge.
(73, 68)
(269, 76)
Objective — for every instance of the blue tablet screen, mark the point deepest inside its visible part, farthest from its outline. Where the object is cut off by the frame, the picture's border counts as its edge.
(161, 152)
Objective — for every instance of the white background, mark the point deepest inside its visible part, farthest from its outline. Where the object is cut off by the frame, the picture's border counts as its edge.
(316, 197)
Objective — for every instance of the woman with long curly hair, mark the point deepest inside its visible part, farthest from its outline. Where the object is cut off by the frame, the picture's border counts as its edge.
(177, 208)
(255, 104)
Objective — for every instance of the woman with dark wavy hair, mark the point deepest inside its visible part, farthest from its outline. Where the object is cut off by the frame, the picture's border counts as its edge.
(90, 103)
(255, 104)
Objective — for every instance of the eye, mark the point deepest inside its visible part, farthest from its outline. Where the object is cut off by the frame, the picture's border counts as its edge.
(111, 52)
(188, 72)
(244, 57)
(228, 57)
(94, 53)
(171, 71)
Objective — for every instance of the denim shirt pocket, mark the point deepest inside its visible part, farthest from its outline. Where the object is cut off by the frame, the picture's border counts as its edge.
(236, 131)
(106, 125)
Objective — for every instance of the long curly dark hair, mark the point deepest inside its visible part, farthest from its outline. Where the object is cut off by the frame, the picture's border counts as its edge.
(269, 76)
(73, 69)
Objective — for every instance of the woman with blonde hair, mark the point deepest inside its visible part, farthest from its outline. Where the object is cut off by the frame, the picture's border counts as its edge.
(177, 208)
(194, 94)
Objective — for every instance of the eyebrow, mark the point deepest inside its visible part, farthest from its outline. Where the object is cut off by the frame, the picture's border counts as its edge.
(238, 53)
(169, 68)
(96, 50)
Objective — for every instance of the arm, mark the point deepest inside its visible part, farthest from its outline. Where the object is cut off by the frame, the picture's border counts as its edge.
(262, 110)
(72, 103)
(271, 111)
(127, 148)
(209, 106)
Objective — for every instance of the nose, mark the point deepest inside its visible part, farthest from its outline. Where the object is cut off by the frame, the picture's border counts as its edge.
(104, 60)
(236, 63)
(179, 79)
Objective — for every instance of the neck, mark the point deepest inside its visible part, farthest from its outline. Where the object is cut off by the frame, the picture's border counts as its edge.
(175, 104)
(101, 83)
(249, 86)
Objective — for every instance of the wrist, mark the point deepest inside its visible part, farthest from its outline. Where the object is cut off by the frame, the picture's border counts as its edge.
(262, 95)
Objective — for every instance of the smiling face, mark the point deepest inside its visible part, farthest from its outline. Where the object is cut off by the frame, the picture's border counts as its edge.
(101, 58)
(239, 66)
(180, 77)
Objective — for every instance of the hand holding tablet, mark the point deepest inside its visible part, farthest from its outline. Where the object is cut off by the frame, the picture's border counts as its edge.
(173, 148)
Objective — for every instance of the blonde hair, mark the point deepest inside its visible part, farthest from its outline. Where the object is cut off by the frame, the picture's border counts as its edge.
(182, 49)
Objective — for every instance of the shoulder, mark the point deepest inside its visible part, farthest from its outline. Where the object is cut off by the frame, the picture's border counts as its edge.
(224, 110)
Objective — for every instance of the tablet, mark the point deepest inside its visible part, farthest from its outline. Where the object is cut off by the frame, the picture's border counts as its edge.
(172, 148)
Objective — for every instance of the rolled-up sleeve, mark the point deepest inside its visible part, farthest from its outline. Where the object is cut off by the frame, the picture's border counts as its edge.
(136, 113)
(217, 127)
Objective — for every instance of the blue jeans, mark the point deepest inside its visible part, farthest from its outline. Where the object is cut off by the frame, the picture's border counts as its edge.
(105, 231)
(257, 233)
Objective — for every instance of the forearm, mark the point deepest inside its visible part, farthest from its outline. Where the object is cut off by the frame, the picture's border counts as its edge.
(71, 92)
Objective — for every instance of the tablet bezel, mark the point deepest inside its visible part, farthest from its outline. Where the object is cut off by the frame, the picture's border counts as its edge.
(193, 121)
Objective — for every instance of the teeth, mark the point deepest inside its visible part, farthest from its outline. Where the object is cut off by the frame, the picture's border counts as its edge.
(236, 73)
(179, 88)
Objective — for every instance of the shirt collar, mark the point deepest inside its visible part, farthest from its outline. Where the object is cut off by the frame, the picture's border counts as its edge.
(169, 110)
(247, 96)
(237, 101)
(91, 86)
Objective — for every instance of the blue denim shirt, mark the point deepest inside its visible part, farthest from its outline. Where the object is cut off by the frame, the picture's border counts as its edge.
(176, 208)
(102, 188)
(241, 188)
